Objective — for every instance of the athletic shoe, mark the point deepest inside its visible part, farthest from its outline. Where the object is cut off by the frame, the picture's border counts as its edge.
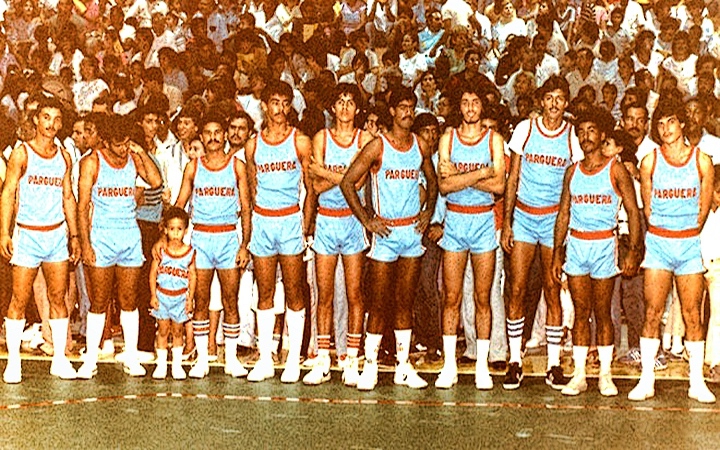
(701, 393)
(464, 360)
(368, 378)
(632, 358)
(234, 368)
(199, 370)
(714, 375)
(291, 374)
(534, 343)
(310, 362)
(177, 372)
(160, 372)
(87, 371)
(678, 356)
(264, 369)
(447, 378)
(405, 375)
(63, 369)
(513, 376)
(576, 385)
(606, 386)
(660, 362)
(498, 366)
(350, 373)
(13, 373)
(134, 369)
(483, 380)
(643, 391)
(319, 374)
(107, 350)
(555, 378)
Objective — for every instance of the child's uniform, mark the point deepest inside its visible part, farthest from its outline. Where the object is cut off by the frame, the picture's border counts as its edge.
(710, 248)
(173, 282)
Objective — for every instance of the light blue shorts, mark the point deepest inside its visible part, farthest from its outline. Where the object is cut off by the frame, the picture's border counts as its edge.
(474, 232)
(117, 247)
(404, 241)
(276, 235)
(215, 250)
(32, 247)
(172, 307)
(534, 228)
(339, 235)
(680, 256)
(594, 257)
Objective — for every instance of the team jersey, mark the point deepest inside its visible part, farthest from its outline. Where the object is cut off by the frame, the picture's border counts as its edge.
(545, 158)
(468, 157)
(173, 272)
(675, 199)
(278, 173)
(395, 183)
(113, 194)
(40, 189)
(215, 197)
(337, 159)
(594, 199)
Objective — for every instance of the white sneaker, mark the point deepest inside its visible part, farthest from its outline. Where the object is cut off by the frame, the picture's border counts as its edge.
(606, 386)
(368, 378)
(291, 374)
(701, 393)
(350, 373)
(483, 380)
(134, 369)
(160, 372)
(320, 373)
(263, 370)
(643, 391)
(13, 373)
(87, 371)
(576, 385)
(447, 378)
(234, 368)
(199, 370)
(405, 375)
(139, 356)
(107, 350)
(309, 363)
(177, 371)
(63, 369)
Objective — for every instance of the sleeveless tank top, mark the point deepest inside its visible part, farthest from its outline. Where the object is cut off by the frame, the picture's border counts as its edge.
(215, 197)
(173, 274)
(40, 189)
(675, 200)
(278, 173)
(113, 194)
(594, 199)
(395, 184)
(468, 158)
(337, 159)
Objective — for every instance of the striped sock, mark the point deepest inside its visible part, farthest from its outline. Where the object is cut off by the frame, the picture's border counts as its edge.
(201, 331)
(515, 332)
(231, 331)
(323, 341)
(554, 338)
(353, 345)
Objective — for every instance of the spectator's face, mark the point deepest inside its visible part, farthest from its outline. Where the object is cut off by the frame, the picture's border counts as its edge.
(238, 132)
(206, 7)
(90, 136)
(371, 124)
(87, 70)
(213, 137)
(609, 96)
(635, 123)
(625, 69)
(585, 60)
(616, 18)
(186, 128)
(435, 22)
(695, 114)
(277, 108)
(508, 9)
(490, 124)
(472, 64)
(345, 108)
(428, 84)
(610, 149)
(443, 107)
(470, 107)
(670, 129)
(706, 85)
(523, 85)
(48, 122)
(120, 148)
(408, 44)
(589, 136)
(78, 135)
(149, 125)
(554, 104)
(680, 49)
(196, 149)
(430, 134)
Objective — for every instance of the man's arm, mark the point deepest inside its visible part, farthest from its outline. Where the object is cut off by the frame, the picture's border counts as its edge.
(88, 171)
(510, 199)
(431, 188)
(626, 188)
(304, 149)
(561, 225)
(646, 168)
(245, 213)
(250, 167)
(15, 170)
(187, 184)
(323, 179)
(707, 174)
(70, 210)
(487, 179)
(146, 167)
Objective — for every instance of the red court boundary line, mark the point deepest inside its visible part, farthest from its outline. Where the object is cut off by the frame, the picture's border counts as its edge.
(372, 402)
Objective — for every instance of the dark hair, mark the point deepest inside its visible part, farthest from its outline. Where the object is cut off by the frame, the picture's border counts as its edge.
(555, 82)
(400, 94)
(347, 89)
(153, 74)
(213, 116)
(116, 128)
(623, 140)
(276, 87)
(667, 107)
(45, 101)
(424, 120)
(173, 212)
(599, 116)
(240, 114)
(637, 105)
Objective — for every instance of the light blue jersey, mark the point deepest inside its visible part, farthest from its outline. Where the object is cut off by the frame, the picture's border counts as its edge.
(113, 194)
(337, 159)
(675, 200)
(469, 157)
(594, 199)
(278, 173)
(395, 183)
(173, 275)
(40, 190)
(215, 197)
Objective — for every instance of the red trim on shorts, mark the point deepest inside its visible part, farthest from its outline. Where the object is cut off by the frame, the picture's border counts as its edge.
(206, 228)
(401, 222)
(673, 234)
(276, 212)
(333, 212)
(171, 292)
(592, 235)
(41, 227)
(537, 211)
(463, 209)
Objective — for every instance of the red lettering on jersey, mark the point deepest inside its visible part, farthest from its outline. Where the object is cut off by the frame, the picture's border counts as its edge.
(592, 199)
(336, 168)
(547, 160)
(116, 191)
(40, 180)
(173, 271)
(402, 174)
(280, 166)
(215, 191)
(675, 193)
(464, 167)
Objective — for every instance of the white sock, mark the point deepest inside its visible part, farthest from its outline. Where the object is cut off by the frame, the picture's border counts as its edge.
(230, 349)
(94, 331)
(201, 344)
(515, 345)
(449, 349)
(161, 356)
(605, 354)
(296, 327)
(130, 322)
(666, 341)
(265, 324)
(483, 350)
(402, 345)
(177, 353)
(326, 352)
(677, 345)
(580, 358)
(351, 352)
(696, 355)
(13, 335)
(553, 358)
(648, 351)
(59, 328)
(372, 347)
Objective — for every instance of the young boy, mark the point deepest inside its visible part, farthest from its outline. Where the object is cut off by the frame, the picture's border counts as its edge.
(172, 286)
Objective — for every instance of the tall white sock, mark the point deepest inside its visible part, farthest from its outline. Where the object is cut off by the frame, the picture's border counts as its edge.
(483, 350)
(554, 338)
(161, 356)
(94, 331)
(13, 335)
(605, 354)
(130, 322)
(265, 324)
(372, 347)
(296, 327)
(59, 328)
(580, 358)
(515, 333)
(696, 355)
(402, 345)
(648, 351)
(449, 349)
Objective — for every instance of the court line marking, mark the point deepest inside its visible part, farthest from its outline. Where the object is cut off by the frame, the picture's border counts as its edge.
(358, 401)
